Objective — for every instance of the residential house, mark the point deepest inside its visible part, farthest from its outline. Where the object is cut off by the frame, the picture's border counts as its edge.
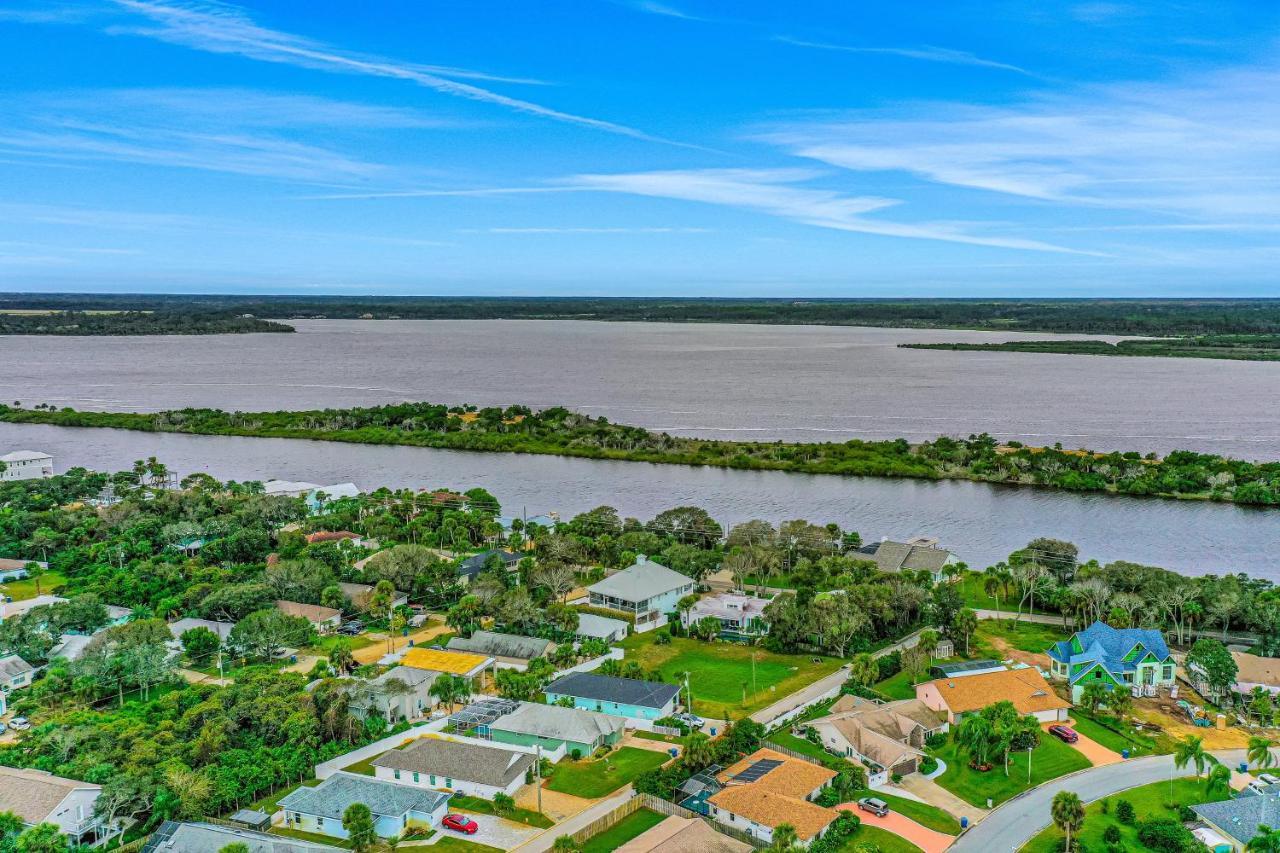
(319, 498)
(36, 797)
(181, 626)
(26, 465)
(509, 651)
(288, 488)
(647, 590)
(175, 837)
(1025, 688)
(70, 647)
(400, 693)
(1253, 671)
(594, 627)
(888, 737)
(740, 616)
(464, 767)
(358, 594)
(1236, 821)
(683, 835)
(639, 701)
(117, 615)
(465, 664)
(1127, 658)
(320, 536)
(767, 789)
(15, 673)
(324, 619)
(474, 565)
(920, 554)
(14, 570)
(395, 807)
(556, 728)
(14, 609)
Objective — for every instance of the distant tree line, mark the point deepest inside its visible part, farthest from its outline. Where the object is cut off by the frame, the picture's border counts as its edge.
(168, 322)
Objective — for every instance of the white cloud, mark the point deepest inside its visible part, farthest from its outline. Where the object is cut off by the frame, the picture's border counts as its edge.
(586, 230)
(926, 53)
(654, 8)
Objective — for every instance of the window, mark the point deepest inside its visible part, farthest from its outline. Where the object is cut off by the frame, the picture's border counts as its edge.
(433, 780)
(396, 774)
(415, 777)
(1168, 673)
(448, 782)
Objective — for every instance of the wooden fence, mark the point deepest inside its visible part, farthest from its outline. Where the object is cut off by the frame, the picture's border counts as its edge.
(791, 753)
(662, 807)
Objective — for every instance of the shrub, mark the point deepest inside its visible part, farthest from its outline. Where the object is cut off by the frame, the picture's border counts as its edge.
(1186, 814)
(928, 764)
(889, 665)
(662, 638)
(503, 804)
(575, 754)
(1124, 812)
(896, 777)
(1111, 834)
(937, 740)
(1105, 806)
(1166, 835)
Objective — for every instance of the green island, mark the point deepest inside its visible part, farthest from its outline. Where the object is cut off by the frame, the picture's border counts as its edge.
(560, 432)
(106, 323)
(1237, 347)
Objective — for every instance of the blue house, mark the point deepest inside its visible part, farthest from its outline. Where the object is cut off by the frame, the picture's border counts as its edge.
(625, 697)
(395, 807)
(1115, 657)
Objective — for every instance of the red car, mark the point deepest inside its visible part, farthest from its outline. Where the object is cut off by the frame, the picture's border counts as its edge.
(1064, 734)
(461, 823)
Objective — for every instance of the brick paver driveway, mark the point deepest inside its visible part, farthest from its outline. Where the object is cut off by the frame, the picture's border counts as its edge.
(1097, 754)
(928, 840)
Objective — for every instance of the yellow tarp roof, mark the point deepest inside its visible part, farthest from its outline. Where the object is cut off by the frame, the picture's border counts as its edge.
(457, 663)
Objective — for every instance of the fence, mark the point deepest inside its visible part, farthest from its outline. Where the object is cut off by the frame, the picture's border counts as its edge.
(662, 807)
(791, 753)
(589, 665)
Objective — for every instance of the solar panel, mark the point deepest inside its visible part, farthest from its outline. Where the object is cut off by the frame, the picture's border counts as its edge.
(757, 770)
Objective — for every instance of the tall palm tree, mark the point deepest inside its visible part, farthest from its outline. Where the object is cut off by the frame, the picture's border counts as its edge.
(1190, 750)
(1068, 813)
(1260, 753)
(864, 670)
(1267, 840)
(1219, 780)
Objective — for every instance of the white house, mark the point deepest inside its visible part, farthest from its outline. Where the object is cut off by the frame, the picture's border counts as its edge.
(180, 627)
(647, 590)
(12, 570)
(595, 627)
(15, 673)
(395, 807)
(26, 465)
(739, 615)
(38, 797)
(384, 694)
(459, 766)
(288, 488)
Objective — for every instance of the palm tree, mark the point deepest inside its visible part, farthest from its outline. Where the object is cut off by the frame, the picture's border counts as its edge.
(784, 837)
(863, 670)
(992, 586)
(697, 750)
(1068, 813)
(1219, 780)
(450, 689)
(1190, 750)
(1267, 840)
(1260, 753)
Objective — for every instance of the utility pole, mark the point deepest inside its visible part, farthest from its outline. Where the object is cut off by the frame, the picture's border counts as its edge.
(538, 766)
(1028, 766)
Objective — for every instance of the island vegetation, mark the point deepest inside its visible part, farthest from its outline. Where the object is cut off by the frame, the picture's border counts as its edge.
(132, 322)
(1238, 347)
(559, 431)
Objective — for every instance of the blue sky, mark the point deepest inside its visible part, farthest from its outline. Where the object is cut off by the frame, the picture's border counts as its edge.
(632, 147)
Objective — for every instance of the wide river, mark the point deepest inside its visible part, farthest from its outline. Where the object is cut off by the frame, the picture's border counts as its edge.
(789, 382)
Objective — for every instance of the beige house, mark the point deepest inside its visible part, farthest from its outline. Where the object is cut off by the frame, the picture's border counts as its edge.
(324, 619)
(1025, 688)
(888, 737)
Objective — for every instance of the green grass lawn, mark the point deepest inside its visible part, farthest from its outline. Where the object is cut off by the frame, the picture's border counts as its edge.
(719, 672)
(623, 831)
(799, 744)
(453, 844)
(324, 645)
(1148, 801)
(21, 590)
(1138, 743)
(479, 805)
(922, 813)
(898, 686)
(671, 739)
(310, 836)
(593, 779)
(364, 768)
(271, 802)
(1051, 759)
(974, 596)
(884, 841)
(1024, 636)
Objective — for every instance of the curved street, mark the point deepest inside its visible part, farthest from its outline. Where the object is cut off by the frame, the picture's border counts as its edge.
(1014, 823)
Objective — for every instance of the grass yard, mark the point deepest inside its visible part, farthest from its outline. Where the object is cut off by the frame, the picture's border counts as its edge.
(313, 837)
(1051, 759)
(623, 831)
(1148, 801)
(271, 802)
(922, 813)
(799, 744)
(324, 645)
(453, 844)
(479, 805)
(884, 841)
(671, 739)
(593, 779)
(1029, 637)
(1138, 743)
(21, 590)
(898, 686)
(721, 673)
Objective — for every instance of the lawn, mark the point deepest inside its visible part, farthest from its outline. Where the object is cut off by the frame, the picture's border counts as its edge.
(26, 588)
(623, 831)
(922, 813)
(721, 674)
(974, 596)
(1024, 636)
(799, 744)
(1138, 743)
(898, 686)
(658, 736)
(479, 805)
(1051, 759)
(593, 779)
(453, 844)
(313, 837)
(884, 841)
(1148, 801)
(364, 768)
(324, 645)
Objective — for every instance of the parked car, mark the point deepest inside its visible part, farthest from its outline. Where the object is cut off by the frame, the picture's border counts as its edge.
(879, 808)
(19, 724)
(460, 823)
(693, 721)
(1064, 734)
(352, 628)
(3, 727)
(1268, 779)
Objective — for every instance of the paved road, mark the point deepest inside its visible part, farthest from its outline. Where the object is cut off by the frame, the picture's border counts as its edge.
(1011, 825)
(1043, 619)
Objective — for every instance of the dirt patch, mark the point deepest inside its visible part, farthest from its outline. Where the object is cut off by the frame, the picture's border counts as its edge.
(1165, 713)
(1008, 652)
(371, 654)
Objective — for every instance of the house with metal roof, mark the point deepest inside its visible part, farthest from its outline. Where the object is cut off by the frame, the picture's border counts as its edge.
(915, 555)
(36, 797)
(1238, 820)
(557, 729)
(181, 837)
(464, 767)
(1122, 658)
(595, 627)
(474, 565)
(509, 651)
(395, 807)
(181, 626)
(646, 590)
(643, 701)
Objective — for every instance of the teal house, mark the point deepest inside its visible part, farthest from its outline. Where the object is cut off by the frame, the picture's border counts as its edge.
(555, 728)
(626, 697)
(1115, 657)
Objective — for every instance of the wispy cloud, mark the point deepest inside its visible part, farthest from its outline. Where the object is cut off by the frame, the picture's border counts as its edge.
(227, 29)
(586, 230)
(925, 53)
(654, 8)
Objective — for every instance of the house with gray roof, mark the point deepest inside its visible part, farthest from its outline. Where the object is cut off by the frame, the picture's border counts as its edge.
(647, 591)
(400, 693)
(180, 837)
(510, 651)
(13, 570)
(15, 673)
(473, 566)
(555, 728)
(395, 807)
(180, 627)
(916, 555)
(464, 767)
(595, 627)
(36, 797)
(643, 701)
(1238, 820)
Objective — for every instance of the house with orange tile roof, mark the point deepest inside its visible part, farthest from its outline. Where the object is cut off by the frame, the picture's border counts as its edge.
(1025, 688)
(767, 789)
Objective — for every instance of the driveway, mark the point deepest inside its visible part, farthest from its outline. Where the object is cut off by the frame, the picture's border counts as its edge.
(928, 840)
(542, 843)
(494, 831)
(934, 794)
(1012, 824)
(1097, 754)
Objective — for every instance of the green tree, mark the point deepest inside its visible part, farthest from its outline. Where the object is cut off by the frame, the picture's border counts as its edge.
(1094, 695)
(1260, 754)
(235, 847)
(1213, 659)
(1120, 702)
(963, 625)
(863, 670)
(450, 689)
(42, 838)
(503, 804)
(1068, 813)
(1218, 782)
(1267, 840)
(1190, 750)
(784, 838)
(341, 657)
(200, 644)
(357, 820)
(565, 844)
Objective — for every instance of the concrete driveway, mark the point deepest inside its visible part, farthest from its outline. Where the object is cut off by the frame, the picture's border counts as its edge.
(928, 840)
(494, 831)
(1097, 754)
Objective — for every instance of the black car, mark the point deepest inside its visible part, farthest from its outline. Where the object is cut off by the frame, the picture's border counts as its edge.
(351, 629)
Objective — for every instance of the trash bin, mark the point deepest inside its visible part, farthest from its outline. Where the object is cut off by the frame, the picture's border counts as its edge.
(674, 752)
(713, 732)
(1124, 753)
(964, 823)
(1244, 767)
(293, 658)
